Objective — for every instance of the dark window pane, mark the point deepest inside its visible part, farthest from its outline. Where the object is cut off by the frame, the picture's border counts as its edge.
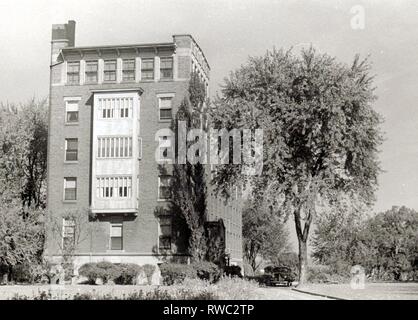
(165, 114)
(72, 116)
(116, 243)
(70, 194)
(71, 155)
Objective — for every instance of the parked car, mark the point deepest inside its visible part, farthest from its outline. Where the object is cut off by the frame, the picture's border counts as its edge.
(279, 276)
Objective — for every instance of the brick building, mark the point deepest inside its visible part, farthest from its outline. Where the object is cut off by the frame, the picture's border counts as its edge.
(106, 105)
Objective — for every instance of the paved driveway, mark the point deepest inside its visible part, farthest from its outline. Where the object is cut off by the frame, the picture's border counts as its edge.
(282, 293)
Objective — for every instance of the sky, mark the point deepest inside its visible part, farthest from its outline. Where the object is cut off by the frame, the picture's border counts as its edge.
(229, 32)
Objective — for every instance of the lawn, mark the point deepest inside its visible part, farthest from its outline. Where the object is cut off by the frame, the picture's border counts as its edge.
(372, 291)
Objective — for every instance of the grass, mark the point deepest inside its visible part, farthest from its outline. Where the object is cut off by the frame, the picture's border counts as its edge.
(372, 291)
(225, 289)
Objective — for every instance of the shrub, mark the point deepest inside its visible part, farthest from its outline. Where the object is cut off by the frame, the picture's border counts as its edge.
(172, 273)
(149, 271)
(107, 271)
(206, 270)
(127, 273)
(90, 271)
(124, 273)
(233, 271)
(324, 274)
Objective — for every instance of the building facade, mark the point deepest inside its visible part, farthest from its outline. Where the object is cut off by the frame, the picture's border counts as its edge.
(106, 105)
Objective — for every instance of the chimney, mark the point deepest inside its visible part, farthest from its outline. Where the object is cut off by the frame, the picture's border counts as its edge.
(63, 35)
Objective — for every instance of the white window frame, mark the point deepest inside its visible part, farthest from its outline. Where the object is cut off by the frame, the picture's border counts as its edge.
(126, 141)
(76, 190)
(67, 101)
(118, 223)
(161, 96)
(65, 151)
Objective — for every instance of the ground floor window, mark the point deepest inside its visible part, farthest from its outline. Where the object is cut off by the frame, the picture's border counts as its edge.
(116, 235)
(165, 232)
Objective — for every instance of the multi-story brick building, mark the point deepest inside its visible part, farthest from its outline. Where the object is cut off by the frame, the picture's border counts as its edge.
(106, 105)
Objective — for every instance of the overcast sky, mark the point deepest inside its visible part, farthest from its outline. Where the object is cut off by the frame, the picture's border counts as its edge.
(229, 32)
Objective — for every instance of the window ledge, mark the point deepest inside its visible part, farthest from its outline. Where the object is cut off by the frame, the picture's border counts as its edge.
(69, 201)
(165, 121)
(71, 162)
(71, 123)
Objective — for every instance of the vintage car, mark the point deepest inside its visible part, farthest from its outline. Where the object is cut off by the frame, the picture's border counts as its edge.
(279, 276)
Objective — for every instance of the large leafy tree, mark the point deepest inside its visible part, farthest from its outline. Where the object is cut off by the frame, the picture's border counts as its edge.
(321, 134)
(392, 239)
(21, 235)
(264, 234)
(23, 151)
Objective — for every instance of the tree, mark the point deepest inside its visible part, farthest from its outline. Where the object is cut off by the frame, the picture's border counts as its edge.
(188, 181)
(23, 151)
(338, 241)
(392, 236)
(321, 135)
(80, 227)
(21, 236)
(264, 234)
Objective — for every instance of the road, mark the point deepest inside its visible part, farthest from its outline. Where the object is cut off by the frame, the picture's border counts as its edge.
(282, 293)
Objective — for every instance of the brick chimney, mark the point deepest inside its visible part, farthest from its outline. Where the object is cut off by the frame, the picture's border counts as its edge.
(63, 35)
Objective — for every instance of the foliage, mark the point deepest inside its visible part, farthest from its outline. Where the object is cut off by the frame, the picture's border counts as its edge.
(325, 274)
(23, 152)
(188, 183)
(392, 241)
(21, 234)
(233, 271)
(127, 273)
(263, 232)
(190, 289)
(321, 135)
(90, 271)
(123, 273)
(174, 273)
(386, 244)
(206, 270)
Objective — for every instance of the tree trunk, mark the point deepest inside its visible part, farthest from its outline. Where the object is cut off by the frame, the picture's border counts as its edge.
(302, 234)
(303, 261)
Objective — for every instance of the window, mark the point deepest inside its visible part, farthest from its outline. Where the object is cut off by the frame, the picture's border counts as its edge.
(114, 147)
(73, 72)
(165, 108)
(68, 234)
(110, 70)
(147, 69)
(111, 108)
(70, 188)
(166, 68)
(71, 149)
(165, 153)
(164, 192)
(114, 187)
(91, 71)
(71, 111)
(165, 232)
(128, 70)
(116, 235)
